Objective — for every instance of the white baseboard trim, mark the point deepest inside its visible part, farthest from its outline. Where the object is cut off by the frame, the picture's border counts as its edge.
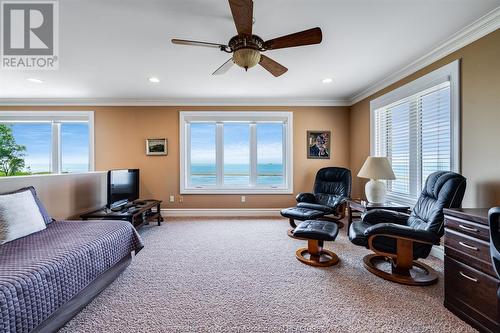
(438, 252)
(216, 212)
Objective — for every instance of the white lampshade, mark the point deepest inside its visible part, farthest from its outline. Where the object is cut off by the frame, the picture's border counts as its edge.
(377, 168)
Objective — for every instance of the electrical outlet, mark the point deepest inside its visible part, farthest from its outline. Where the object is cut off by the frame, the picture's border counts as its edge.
(181, 199)
(243, 198)
(172, 198)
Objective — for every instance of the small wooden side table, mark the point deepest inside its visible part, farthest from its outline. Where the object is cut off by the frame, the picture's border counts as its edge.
(360, 206)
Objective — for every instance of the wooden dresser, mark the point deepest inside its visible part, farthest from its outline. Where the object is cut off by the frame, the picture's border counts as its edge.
(470, 282)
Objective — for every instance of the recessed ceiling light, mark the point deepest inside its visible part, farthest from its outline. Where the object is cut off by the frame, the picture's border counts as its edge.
(154, 80)
(35, 80)
(327, 80)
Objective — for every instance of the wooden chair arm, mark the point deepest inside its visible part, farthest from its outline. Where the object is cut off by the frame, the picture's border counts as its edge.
(400, 241)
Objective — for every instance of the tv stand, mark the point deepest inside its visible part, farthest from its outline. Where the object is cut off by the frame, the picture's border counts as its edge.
(138, 213)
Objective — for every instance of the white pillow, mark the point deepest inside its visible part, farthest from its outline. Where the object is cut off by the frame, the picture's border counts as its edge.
(19, 216)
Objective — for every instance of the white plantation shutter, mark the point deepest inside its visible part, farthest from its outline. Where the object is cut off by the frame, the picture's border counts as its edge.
(415, 134)
(435, 131)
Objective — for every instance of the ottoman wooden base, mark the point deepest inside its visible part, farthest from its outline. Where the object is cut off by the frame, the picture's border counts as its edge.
(317, 256)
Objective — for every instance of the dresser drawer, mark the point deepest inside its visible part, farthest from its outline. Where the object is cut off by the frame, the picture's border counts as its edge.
(474, 247)
(485, 267)
(472, 292)
(467, 227)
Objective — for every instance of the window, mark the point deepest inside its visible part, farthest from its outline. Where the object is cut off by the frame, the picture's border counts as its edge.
(417, 128)
(45, 142)
(236, 152)
(75, 147)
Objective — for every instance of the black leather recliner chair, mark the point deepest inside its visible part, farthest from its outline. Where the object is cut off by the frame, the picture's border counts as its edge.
(400, 239)
(494, 219)
(332, 188)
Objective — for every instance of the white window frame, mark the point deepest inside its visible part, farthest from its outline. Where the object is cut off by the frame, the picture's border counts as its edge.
(55, 118)
(187, 117)
(448, 73)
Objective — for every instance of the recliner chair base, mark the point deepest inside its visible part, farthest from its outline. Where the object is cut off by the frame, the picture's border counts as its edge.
(418, 274)
(318, 256)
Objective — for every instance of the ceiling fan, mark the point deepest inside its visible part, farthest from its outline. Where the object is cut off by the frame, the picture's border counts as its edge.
(246, 47)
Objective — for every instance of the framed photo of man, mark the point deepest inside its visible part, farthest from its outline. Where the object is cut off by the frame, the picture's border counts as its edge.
(318, 144)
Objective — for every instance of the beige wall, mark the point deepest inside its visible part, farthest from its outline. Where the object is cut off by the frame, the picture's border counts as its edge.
(120, 134)
(480, 85)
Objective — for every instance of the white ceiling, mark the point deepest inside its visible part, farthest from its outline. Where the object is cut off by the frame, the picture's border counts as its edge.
(108, 48)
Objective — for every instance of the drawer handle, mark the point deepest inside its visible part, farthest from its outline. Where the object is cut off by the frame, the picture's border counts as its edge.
(467, 228)
(468, 246)
(468, 277)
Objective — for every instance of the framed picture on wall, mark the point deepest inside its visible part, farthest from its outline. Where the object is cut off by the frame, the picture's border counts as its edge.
(318, 144)
(156, 147)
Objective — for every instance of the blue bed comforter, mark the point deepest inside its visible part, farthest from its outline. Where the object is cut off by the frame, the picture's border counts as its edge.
(41, 272)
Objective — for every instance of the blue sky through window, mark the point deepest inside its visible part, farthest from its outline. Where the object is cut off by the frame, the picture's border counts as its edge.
(237, 154)
(75, 147)
(270, 154)
(203, 169)
(37, 139)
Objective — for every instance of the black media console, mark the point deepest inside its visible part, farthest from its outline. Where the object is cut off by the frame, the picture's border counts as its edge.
(138, 213)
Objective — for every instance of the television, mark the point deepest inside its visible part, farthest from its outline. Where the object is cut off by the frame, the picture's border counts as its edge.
(123, 187)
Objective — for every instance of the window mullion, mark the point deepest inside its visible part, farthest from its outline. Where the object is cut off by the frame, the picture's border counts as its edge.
(56, 162)
(219, 153)
(253, 154)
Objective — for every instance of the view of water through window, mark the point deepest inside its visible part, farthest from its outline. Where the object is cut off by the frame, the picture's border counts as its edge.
(236, 147)
(75, 147)
(270, 154)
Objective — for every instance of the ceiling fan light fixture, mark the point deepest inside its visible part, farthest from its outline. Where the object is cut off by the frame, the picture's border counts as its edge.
(246, 58)
(247, 47)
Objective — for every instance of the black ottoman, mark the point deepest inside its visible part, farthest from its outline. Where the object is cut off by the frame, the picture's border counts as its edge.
(301, 214)
(316, 232)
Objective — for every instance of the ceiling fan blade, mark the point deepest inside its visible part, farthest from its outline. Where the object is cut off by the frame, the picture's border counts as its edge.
(272, 66)
(306, 37)
(196, 43)
(242, 11)
(224, 68)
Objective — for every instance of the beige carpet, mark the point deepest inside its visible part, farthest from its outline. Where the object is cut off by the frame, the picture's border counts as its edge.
(220, 275)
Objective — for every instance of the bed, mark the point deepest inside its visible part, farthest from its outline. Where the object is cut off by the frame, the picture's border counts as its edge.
(46, 278)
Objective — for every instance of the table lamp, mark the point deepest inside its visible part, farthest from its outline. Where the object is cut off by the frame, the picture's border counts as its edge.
(376, 168)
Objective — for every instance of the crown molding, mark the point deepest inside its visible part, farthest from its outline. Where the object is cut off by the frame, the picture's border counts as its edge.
(171, 102)
(479, 28)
